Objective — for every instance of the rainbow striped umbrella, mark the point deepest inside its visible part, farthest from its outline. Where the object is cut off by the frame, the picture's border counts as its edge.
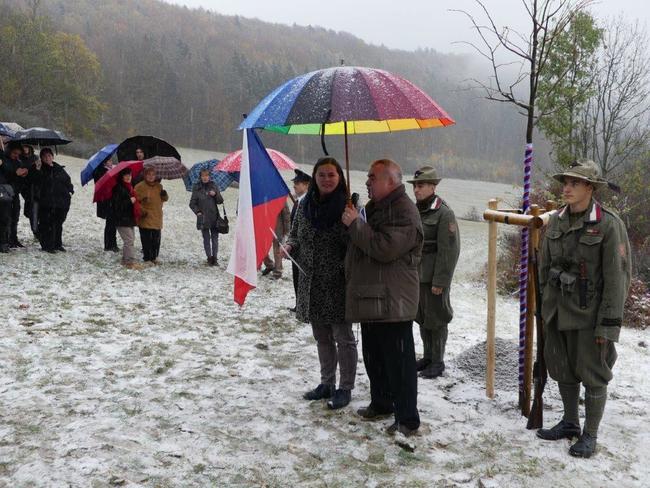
(346, 100)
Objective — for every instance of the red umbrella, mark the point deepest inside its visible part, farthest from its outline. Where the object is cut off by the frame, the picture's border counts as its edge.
(232, 162)
(104, 187)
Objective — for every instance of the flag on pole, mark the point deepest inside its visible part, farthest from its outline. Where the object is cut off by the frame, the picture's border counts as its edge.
(262, 195)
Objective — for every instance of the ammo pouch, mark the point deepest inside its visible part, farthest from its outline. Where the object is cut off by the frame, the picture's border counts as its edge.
(561, 279)
(430, 247)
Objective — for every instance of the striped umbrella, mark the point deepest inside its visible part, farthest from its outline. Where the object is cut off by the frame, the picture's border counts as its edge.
(166, 167)
(346, 100)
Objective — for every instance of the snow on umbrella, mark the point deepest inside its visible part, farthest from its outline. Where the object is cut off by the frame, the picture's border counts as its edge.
(41, 136)
(152, 146)
(232, 162)
(221, 178)
(104, 186)
(346, 100)
(95, 161)
(166, 167)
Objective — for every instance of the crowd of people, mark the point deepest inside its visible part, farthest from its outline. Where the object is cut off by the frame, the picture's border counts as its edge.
(384, 265)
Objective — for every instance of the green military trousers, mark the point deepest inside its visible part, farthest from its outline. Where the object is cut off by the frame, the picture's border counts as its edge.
(434, 315)
(573, 357)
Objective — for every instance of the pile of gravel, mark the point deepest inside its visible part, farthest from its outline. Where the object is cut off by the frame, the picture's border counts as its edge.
(473, 360)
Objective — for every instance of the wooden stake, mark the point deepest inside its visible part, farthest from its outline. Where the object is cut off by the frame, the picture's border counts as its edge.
(491, 302)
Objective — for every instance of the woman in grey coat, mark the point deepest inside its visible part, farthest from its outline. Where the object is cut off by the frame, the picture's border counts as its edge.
(204, 201)
(318, 243)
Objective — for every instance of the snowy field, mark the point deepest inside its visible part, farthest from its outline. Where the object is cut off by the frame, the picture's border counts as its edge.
(155, 378)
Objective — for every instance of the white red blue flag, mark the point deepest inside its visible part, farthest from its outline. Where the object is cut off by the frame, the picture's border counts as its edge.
(262, 195)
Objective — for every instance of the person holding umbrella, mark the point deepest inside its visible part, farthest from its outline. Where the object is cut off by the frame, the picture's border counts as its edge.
(318, 243)
(151, 195)
(6, 199)
(17, 172)
(203, 202)
(104, 210)
(32, 162)
(126, 213)
(54, 191)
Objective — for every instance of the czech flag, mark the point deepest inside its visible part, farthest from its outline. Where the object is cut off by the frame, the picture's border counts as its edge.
(262, 195)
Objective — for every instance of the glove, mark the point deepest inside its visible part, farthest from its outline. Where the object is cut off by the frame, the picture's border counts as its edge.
(163, 193)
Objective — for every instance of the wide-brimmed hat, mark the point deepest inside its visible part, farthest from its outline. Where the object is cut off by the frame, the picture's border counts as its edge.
(301, 177)
(584, 169)
(426, 174)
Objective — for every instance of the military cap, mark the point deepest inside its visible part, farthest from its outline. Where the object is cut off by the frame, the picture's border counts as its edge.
(584, 169)
(426, 174)
(301, 177)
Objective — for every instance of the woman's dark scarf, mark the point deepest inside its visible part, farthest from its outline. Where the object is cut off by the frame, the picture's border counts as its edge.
(324, 212)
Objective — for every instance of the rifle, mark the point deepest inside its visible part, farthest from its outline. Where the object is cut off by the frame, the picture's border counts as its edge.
(536, 417)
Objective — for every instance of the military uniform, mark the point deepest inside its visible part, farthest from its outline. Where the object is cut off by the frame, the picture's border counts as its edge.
(439, 257)
(584, 275)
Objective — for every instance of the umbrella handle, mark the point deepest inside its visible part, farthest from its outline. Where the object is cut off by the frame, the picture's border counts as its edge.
(322, 132)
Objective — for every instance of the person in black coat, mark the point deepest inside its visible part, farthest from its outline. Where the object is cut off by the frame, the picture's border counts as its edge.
(17, 171)
(6, 189)
(104, 211)
(30, 161)
(54, 195)
(300, 187)
(125, 210)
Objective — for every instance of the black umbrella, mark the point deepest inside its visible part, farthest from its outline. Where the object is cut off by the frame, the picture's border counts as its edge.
(40, 136)
(152, 146)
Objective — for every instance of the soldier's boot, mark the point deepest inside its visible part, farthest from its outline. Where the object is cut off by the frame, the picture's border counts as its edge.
(433, 370)
(563, 430)
(320, 392)
(585, 446)
(372, 413)
(422, 363)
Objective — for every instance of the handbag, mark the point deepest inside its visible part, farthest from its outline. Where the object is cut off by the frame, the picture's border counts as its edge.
(6, 193)
(199, 222)
(222, 222)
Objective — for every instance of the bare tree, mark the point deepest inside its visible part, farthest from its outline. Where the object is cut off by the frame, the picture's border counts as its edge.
(615, 125)
(500, 45)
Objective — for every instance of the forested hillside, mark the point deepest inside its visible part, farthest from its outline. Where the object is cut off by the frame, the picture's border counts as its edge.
(106, 70)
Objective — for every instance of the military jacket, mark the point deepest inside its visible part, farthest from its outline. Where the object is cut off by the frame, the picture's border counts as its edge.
(585, 271)
(441, 244)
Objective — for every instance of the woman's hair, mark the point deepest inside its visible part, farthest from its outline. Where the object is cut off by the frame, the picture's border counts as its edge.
(45, 150)
(125, 171)
(204, 172)
(149, 169)
(313, 187)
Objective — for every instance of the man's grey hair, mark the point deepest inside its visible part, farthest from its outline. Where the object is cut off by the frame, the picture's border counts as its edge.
(393, 169)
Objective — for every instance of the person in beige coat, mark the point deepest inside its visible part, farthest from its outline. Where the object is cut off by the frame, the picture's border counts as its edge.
(151, 195)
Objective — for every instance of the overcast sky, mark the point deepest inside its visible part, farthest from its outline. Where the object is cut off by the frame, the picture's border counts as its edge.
(404, 25)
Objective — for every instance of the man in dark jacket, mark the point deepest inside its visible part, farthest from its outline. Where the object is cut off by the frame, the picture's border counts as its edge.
(54, 196)
(6, 198)
(104, 211)
(300, 187)
(382, 288)
(17, 172)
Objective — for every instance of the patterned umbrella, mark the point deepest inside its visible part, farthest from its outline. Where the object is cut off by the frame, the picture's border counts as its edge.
(168, 168)
(221, 178)
(346, 100)
(6, 131)
(232, 162)
(104, 186)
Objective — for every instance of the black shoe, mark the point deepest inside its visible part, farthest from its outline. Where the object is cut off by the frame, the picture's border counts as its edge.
(51, 251)
(267, 270)
(4, 248)
(61, 248)
(320, 392)
(432, 371)
(370, 413)
(17, 244)
(585, 446)
(393, 429)
(340, 399)
(422, 363)
(211, 260)
(563, 430)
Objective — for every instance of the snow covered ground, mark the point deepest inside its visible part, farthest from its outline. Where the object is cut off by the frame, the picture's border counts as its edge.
(154, 378)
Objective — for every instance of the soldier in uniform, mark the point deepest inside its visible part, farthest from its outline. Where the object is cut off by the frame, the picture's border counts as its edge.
(584, 277)
(439, 258)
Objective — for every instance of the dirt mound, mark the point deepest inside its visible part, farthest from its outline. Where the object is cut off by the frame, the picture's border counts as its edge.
(473, 360)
